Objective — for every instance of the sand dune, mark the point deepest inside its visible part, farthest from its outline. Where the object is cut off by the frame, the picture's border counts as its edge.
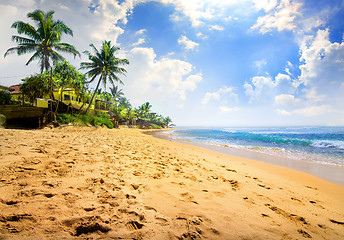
(95, 183)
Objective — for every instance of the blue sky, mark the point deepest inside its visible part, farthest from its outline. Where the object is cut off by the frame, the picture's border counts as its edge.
(210, 62)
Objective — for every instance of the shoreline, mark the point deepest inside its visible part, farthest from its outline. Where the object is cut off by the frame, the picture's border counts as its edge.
(79, 182)
(331, 173)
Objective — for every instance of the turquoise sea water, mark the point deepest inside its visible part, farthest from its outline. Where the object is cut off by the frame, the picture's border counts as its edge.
(323, 145)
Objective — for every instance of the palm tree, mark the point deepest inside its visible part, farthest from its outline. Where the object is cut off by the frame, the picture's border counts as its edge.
(124, 102)
(43, 41)
(105, 64)
(117, 94)
(144, 109)
(167, 120)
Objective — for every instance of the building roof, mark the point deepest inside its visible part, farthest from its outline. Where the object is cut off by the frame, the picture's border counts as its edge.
(15, 89)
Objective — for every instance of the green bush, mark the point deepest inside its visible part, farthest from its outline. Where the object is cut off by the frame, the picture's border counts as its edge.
(65, 118)
(100, 121)
(84, 120)
(103, 115)
(5, 98)
(154, 126)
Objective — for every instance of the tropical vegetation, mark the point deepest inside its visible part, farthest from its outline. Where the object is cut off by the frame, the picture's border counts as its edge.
(56, 73)
(105, 64)
(44, 40)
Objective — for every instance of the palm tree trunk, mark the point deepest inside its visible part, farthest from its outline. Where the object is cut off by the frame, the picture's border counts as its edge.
(51, 84)
(95, 91)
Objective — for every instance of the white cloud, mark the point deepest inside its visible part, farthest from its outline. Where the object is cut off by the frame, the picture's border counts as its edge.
(141, 31)
(221, 93)
(187, 43)
(286, 100)
(225, 109)
(313, 96)
(158, 79)
(201, 35)
(199, 11)
(288, 67)
(280, 17)
(258, 88)
(322, 61)
(283, 112)
(266, 5)
(139, 42)
(217, 28)
(311, 111)
(264, 88)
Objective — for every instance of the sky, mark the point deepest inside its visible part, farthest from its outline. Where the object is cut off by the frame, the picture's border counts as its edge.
(208, 62)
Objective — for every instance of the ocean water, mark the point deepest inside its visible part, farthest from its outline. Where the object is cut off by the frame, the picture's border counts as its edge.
(322, 145)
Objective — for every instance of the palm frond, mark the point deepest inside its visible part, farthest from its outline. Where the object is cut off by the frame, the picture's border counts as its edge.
(61, 27)
(27, 29)
(35, 56)
(67, 48)
(21, 49)
(22, 40)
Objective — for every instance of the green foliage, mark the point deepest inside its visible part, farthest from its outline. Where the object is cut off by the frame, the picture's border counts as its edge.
(154, 126)
(84, 120)
(66, 76)
(36, 86)
(43, 39)
(105, 64)
(65, 118)
(5, 98)
(103, 115)
(117, 93)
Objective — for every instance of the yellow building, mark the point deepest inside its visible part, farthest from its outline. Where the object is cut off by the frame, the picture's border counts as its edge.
(68, 96)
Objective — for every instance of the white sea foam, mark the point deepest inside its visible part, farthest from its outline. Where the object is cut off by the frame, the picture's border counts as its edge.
(328, 144)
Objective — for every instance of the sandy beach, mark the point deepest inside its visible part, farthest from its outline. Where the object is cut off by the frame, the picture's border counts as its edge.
(96, 183)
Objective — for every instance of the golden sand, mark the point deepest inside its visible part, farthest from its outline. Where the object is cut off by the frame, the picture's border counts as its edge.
(95, 183)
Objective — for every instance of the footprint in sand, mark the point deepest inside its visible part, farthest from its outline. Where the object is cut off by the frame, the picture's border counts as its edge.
(336, 222)
(264, 186)
(304, 233)
(134, 225)
(188, 197)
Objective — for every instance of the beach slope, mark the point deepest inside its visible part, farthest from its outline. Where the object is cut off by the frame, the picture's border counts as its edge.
(96, 183)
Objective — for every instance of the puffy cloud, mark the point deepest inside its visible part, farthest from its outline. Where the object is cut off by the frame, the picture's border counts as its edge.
(187, 43)
(266, 5)
(157, 79)
(322, 61)
(199, 11)
(257, 90)
(280, 17)
(264, 88)
(221, 93)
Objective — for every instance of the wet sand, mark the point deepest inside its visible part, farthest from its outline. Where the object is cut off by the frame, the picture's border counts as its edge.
(332, 173)
(96, 183)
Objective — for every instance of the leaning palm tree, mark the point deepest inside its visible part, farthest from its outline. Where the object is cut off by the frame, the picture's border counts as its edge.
(105, 64)
(43, 41)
